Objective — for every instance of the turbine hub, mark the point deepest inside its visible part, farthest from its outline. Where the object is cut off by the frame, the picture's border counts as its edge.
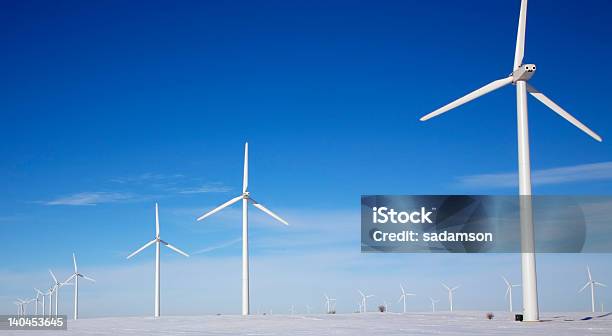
(245, 195)
(523, 73)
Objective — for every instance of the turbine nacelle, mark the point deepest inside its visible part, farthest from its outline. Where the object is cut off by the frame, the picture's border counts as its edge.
(523, 73)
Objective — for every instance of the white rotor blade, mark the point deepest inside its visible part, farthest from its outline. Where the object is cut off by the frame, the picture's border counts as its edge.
(87, 278)
(264, 209)
(452, 289)
(74, 262)
(589, 273)
(445, 286)
(507, 292)
(519, 52)
(360, 293)
(469, 97)
(142, 248)
(585, 286)
(506, 281)
(600, 284)
(156, 220)
(53, 275)
(402, 288)
(70, 278)
(175, 249)
(221, 207)
(560, 111)
(245, 176)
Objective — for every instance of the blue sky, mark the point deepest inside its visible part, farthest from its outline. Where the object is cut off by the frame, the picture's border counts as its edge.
(108, 107)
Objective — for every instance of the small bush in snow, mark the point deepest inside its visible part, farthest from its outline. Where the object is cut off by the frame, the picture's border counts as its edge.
(490, 316)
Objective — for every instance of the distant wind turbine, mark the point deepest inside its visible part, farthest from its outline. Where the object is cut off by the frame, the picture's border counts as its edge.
(364, 301)
(591, 283)
(509, 291)
(403, 296)
(246, 198)
(37, 301)
(450, 295)
(433, 304)
(76, 275)
(521, 73)
(328, 302)
(157, 241)
(55, 289)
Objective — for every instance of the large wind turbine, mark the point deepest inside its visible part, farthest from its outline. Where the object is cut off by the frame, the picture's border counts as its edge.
(403, 296)
(76, 275)
(591, 283)
(509, 291)
(364, 301)
(157, 241)
(450, 295)
(246, 198)
(521, 73)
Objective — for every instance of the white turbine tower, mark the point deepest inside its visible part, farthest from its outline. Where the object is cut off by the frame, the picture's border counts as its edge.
(509, 291)
(521, 73)
(403, 296)
(591, 283)
(246, 198)
(433, 304)
(364, 302)
(450, 295)
(76, 275)
(328, 302)
(157, 241)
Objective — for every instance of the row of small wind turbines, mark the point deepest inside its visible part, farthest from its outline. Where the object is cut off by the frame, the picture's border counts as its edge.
(54, 289)
(363, 303)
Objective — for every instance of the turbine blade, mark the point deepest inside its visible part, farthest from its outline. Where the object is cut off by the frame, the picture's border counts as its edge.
(87, 278)
(589, 272)
(266, 210)
(456, 287)
(585, 286)
(506, 281)
(400, 298)
(360, 293)
(53, 275)
(507, 292)
(445, 286)
(245, 176)
(74, 262)
(560, 111)
(221, 207)
(156, 220)
(600, 284)
(70, 278)
(175, 249)
(469, 97)
(519, 52)
(142, 248)
(402, 288)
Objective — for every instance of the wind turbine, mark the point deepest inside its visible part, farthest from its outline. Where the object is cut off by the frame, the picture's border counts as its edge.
(450, 295)
(403, 296)
(591, 283)
(157, 241)
(50, 294)
(328, 302)
(364, 301)
(55, 289)
(433, 304)
(521, 73)
(509, 291)
(246, 198)
(76, 275)
(37, 299)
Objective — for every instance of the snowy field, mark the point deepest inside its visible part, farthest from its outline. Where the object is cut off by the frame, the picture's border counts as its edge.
(458, 323)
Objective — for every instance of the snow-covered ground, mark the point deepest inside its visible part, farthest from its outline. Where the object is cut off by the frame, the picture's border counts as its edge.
(458, 323)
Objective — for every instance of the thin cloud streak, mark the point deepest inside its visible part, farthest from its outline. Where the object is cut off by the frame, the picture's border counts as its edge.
(91, 198)
(219, 246)
(208, 188)
(586, 172)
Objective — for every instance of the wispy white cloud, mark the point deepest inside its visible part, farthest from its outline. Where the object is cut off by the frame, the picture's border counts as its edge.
(91, 198)
(207, 188)
(147, 178)
(218, 246)
(586, 172)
